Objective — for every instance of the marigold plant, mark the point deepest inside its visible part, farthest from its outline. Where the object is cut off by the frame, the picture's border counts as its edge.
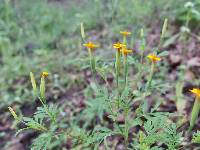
(122, 113)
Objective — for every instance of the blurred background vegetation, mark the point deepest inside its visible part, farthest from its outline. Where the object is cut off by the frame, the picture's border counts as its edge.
(45, 36)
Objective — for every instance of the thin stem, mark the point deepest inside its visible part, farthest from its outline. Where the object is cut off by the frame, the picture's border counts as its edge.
(148, 85)
(150, 76)
(46, 109)
(93, 68)
(125, 70)
(92, 61)
(124, 40)
(126, 130)
(142, 49)
(117, 67)
(141, 58)
(164, 28)
(187, 19)
(195, 112)
(92, 65)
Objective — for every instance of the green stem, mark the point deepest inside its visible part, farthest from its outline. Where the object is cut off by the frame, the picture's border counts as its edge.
(126, 130)
(148, 85)
(93, 68)
(141, 58)
(187, 19)
(164, 28)
(46, 109)
(150, 76)
(124, 40)
(195, 112)
(92, 61)
(142, 49)
(125, 71)
(117, 67)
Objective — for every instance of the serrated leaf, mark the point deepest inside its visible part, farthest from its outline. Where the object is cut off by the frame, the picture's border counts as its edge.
(42, 142)
(101, 72)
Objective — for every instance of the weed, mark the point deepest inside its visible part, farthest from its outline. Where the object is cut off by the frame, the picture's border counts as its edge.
(124, 104)
(154, 126)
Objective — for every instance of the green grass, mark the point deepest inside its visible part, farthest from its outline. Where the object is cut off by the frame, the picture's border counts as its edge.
(37, 36)
(44, 36)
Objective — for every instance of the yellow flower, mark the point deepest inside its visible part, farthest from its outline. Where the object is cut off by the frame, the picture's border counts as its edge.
(153, 58)
(125, 33)
(125, 51)
(196, 91)
(90, 45)
(118, 45)
(44, 74)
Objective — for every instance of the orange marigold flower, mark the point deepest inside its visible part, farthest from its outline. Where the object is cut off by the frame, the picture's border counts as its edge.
(196, 91)
(125, 33)
(44, 74)
(90, 45)
(125, 51)
(153, 58)
(118, 45)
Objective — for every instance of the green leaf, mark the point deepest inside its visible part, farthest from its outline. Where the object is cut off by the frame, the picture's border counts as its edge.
(163, 53)
(102, 72)
(171, 40)
(42, 142)
(196, 137)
